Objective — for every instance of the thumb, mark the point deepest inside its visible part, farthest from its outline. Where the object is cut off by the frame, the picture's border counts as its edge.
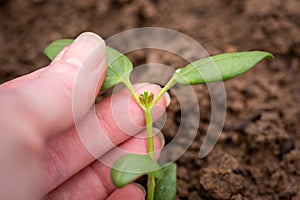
(66, 89)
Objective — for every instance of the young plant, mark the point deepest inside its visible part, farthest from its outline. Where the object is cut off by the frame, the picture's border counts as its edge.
(162, 180)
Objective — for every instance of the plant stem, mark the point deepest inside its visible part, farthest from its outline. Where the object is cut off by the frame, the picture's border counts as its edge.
(151, 180)
(150, 187)
(147, 107)
(149, 132)
(133, 93)
(164, 90)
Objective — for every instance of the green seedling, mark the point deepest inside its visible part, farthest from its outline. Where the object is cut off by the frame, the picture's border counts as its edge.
(162, 180)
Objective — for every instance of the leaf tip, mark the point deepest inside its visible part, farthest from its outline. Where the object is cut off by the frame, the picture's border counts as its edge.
(269, 56)
(113, 179)
(178, 70)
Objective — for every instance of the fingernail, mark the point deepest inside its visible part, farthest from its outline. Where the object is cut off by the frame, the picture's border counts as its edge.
(87, 51)
(161, 139)
(167, 99)
(141, 187)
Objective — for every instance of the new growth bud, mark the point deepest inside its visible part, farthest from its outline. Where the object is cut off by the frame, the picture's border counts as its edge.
(146, 99)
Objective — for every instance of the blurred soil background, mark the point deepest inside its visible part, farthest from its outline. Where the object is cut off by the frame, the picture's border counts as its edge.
(258, 154)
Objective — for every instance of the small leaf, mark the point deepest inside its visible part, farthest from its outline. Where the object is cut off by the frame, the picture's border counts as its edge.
(166, 187)
(55, 47)
(220, 67)
(131, 166)
(119, 68)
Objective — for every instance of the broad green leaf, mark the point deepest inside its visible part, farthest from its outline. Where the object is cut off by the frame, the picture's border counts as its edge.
(131, 166)
(119, 66)
(166, 187)
(55, 47)
(220, 67)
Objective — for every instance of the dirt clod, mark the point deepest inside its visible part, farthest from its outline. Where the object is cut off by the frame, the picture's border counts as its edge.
(222, 177)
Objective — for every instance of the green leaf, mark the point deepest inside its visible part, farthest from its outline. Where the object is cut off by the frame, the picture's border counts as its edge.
(131, 166)
(119, 68)
(220, 67)
(55, 47)
(166, 187)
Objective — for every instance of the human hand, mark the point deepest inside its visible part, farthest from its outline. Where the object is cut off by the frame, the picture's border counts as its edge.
(42, 151)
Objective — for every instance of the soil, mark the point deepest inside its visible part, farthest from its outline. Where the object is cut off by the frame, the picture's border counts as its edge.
(258, 153)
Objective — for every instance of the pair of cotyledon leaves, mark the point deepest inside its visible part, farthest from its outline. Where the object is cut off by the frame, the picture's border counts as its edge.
(216, 68)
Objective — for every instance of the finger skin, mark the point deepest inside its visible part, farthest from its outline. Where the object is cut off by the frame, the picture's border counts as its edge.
(68, 153)
(131, 191)
(94, 181)
(18, 82)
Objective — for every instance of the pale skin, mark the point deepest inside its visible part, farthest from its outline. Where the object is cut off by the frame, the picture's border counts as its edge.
(42, 153)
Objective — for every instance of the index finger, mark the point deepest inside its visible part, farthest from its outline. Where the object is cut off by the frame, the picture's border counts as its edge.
(70, 152)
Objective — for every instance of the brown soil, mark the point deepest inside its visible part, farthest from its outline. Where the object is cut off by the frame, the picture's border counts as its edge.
(258, 154)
